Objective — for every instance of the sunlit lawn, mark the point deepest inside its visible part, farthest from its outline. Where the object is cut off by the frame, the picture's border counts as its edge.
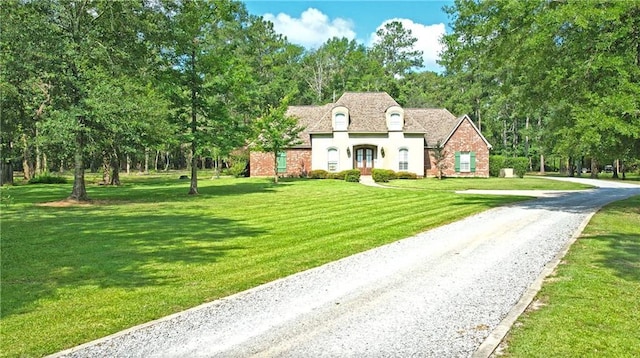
(591, 306)
(526, 183)
(146, 249)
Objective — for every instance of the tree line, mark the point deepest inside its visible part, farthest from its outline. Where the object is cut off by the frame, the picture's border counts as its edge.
(102, 85)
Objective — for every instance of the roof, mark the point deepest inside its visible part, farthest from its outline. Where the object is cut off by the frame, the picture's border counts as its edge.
(367, 115)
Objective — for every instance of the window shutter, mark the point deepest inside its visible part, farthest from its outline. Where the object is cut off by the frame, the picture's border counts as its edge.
(472, 155)
(282, 162)
(457, 164)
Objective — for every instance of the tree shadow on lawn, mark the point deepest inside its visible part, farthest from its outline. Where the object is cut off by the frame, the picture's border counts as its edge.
(622, 254)
(44, 251)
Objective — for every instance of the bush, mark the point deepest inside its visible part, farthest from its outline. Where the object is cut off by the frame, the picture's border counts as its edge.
(48, 179)
(519, 165)
(496, 162)
(352, 175)
(382, 175)
(319, 174)
(406, 175)
(238, 168)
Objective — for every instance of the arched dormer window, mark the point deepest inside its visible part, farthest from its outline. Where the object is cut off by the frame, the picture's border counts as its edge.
(395, 118)
(340, 118)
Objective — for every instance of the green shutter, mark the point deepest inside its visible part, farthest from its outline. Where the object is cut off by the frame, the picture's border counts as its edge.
(473, 161)
(457, 164)
(282, 162)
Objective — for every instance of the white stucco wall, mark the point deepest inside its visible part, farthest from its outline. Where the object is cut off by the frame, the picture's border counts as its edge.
(391, 142)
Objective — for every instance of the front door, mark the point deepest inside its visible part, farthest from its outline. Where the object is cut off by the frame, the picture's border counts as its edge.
(364, 160)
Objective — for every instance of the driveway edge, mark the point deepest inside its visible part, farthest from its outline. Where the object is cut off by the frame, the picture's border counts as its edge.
(491, 343)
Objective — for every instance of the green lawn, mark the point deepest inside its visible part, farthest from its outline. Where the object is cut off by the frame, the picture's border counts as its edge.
(146, 249)
(526, 183)
(591, 305)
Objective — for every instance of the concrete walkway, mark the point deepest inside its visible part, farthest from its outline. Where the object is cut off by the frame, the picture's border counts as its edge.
(368, 181)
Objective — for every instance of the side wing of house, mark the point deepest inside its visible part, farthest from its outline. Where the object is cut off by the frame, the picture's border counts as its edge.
(465, 149)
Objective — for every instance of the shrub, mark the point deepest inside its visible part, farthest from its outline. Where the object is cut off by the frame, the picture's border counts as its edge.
(48, 179)
(238, 168)
(519, 165)
(319, 174)
(496, 162)
(406, 175)
(382, 175)
(352, 175)
(339, 175)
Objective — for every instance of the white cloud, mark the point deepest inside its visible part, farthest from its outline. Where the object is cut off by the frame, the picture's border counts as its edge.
(428, 40)
(312, 29)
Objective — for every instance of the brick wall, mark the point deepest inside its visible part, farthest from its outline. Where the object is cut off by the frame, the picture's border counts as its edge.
(464, 139)
(298, 163)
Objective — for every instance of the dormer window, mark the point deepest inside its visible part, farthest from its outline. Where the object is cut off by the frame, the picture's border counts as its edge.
(395, 118)
(340, 118)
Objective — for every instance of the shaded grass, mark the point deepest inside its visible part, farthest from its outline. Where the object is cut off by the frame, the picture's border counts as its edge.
(147, 249)
(526, 183)
(591, 306)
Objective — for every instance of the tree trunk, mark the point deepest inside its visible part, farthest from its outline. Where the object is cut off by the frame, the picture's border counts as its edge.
(45, 165)
(6, 172)
(166, 166)
(275, 167)
(115, 169)
(146, 160)
(106, 168)
(128, 158)
(155, 165)
(193, 189)
(594, 169)
(79, 191)
(38, 155)
(616, 169)
(541, 163)
(26, 154)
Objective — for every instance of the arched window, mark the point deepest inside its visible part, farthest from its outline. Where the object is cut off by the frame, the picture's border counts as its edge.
(403, 159)
(332, 159)
(341, 122)
(395, 121)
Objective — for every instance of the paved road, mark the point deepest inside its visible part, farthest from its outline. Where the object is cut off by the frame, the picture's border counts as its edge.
(438, 294)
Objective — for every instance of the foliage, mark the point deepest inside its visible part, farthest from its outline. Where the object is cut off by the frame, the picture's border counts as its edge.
(318, 174)
(496, 162)
(382, 175)
(577, 317)
(48, 179)
(352, 175)
(440, 155)
(276, 131)
(100, 270)
(405, 175)
(519, 165)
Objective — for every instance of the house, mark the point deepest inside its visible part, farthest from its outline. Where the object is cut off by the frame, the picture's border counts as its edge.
(367, 130)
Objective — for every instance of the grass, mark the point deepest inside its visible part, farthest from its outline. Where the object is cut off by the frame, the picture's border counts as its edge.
(591, 305)
(526, 183)
(144, 250)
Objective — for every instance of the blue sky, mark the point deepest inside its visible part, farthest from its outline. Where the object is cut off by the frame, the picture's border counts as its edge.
(311, 23)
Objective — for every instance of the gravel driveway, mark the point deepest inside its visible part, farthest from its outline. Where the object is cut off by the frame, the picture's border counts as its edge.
(438, 294)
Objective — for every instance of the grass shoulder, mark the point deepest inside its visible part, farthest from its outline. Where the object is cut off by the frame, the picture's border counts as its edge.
(589, 307)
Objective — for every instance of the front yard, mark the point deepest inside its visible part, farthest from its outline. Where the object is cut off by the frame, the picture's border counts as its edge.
(71, 274)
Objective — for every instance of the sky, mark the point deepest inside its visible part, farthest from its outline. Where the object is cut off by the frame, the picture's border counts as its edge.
(312, 23)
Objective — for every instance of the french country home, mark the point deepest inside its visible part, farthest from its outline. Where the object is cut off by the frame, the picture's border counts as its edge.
(367, 130)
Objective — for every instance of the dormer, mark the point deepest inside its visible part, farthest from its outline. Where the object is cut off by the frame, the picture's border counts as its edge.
(395, 119)
(340, 118)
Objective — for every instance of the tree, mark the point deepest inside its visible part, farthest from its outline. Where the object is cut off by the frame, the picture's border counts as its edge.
(440, 158)
(394, 48)
(276, 131)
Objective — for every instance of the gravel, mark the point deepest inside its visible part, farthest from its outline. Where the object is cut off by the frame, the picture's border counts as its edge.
(437, 294)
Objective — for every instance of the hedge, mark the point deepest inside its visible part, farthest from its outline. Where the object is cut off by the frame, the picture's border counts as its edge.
(406, 175)
(382, 175)
(48, 179)
(497, 162)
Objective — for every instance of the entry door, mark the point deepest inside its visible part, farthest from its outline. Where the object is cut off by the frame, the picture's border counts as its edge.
(364, 160)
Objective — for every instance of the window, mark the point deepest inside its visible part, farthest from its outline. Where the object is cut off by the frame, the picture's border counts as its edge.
(341, 122)
(403, 159)
(395, 122)
(465, 162)
(332, 159)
